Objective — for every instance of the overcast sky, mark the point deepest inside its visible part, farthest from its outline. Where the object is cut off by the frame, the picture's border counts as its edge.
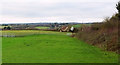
(32, 11)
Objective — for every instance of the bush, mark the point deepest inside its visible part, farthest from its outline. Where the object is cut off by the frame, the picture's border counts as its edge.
(7, 28)
(103, 35)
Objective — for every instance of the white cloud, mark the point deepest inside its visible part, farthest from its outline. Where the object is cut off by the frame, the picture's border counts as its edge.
(62, 19)
(54, 1)
(21, 11)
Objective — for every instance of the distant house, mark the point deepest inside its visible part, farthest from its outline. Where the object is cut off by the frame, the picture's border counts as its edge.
(64, 29)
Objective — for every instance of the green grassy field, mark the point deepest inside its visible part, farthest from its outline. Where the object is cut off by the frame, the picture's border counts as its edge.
(3, 26)
(28, 32)
(54, 47)
(41, 27)
(80, 25)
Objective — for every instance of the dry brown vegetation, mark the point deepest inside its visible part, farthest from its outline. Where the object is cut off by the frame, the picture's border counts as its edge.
(103, 35)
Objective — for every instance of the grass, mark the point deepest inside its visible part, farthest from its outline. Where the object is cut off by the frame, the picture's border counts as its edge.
(3, 27)
(28, 32)
(0, 50)
(52, 48)
(41, 27)
(80, 25)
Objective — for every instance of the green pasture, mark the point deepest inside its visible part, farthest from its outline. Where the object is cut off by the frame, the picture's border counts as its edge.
(0, 50)
(80, 25)
(41, 27)
(54, 47)
(3, 27)
(28, 32)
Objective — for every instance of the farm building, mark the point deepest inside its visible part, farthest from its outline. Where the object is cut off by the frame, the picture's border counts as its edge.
(65, 29)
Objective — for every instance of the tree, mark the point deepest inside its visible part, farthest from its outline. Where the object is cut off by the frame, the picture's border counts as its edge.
(55, 23)
(4, 24)
(118, 8)
(8, 28)
(5, 28)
